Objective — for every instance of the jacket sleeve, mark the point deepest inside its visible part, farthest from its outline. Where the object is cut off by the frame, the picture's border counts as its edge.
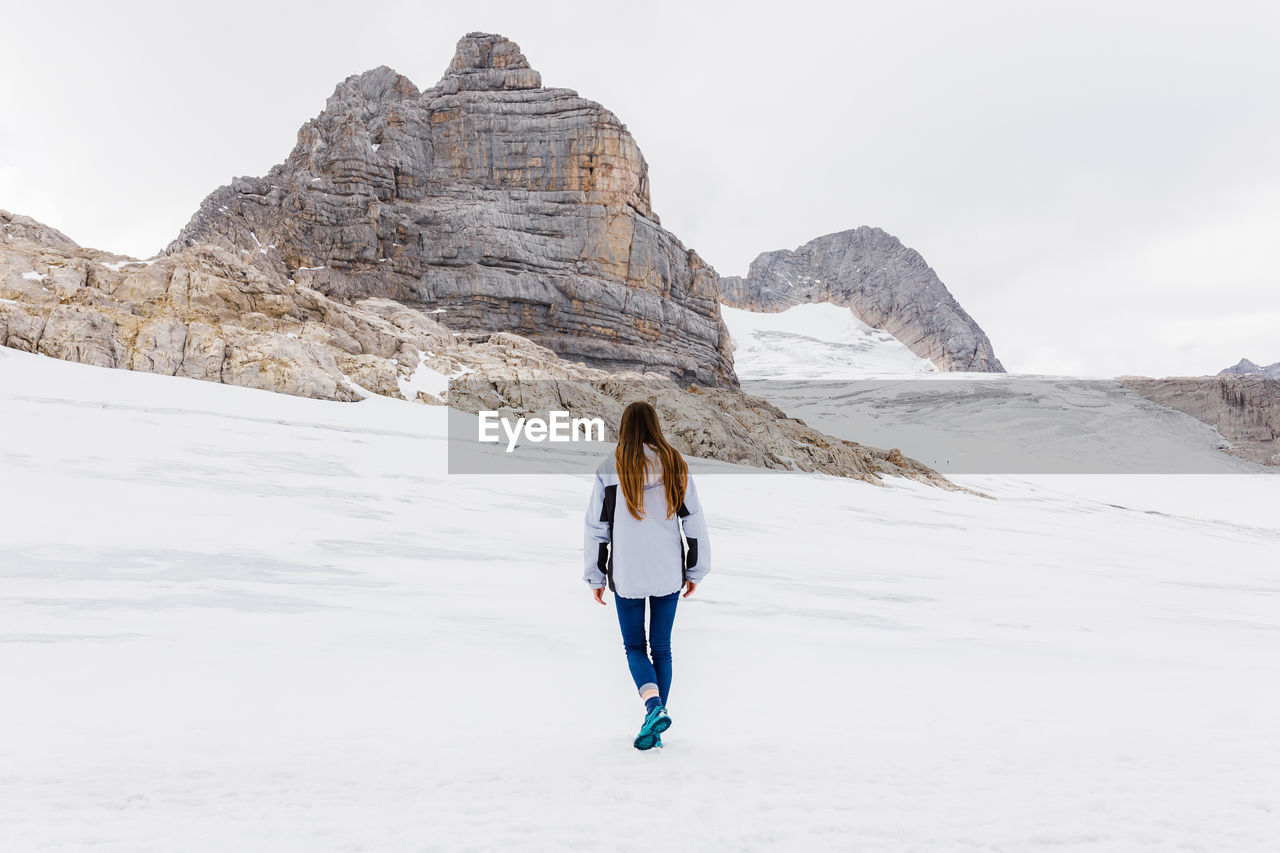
(694, 524)
(595, 539)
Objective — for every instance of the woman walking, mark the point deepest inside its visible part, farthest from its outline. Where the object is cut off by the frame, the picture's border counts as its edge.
(638, 552)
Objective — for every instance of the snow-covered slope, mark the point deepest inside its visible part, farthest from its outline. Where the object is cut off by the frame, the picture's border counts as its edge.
(237, 620)
(817, 341)
(821, 364)
(1009, 424)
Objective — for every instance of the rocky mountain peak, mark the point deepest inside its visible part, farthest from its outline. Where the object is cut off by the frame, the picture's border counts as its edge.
(487, 62)
(492, 203)
(1245, 367)
(371, 92)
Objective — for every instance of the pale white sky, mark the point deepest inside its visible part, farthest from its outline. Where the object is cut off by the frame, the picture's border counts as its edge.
(1097, 182)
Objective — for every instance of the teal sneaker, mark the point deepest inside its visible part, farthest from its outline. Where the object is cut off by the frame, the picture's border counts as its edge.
(655, 723)
(657, 743)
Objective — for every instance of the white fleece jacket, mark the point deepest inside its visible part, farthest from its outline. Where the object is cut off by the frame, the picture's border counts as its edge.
(639, 558)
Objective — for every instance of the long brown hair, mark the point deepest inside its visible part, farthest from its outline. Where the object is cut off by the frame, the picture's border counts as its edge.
(640, 427)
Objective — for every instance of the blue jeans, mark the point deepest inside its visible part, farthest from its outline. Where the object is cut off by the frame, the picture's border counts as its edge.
(662, 613)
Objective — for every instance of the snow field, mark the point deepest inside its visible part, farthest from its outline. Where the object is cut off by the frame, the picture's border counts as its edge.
(230, 618)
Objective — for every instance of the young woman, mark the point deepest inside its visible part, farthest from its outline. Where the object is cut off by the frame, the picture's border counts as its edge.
(634, 546)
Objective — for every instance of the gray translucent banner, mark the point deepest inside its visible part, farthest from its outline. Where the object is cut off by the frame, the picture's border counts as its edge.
(961, 424)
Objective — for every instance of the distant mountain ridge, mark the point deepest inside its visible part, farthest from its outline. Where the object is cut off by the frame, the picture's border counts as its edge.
(886, 284)
(1245, 367)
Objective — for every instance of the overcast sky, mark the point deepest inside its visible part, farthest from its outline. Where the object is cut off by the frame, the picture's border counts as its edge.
(1097, 183)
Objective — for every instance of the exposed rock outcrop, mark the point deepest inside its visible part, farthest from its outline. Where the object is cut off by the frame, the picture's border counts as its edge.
(510, 206)
(887, 285)
(1244, 408)
(24, 229)
(1245, 367)
(205, 312)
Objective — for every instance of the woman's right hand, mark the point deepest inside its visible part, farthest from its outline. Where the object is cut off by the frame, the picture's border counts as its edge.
(598, 592)
(689, 587)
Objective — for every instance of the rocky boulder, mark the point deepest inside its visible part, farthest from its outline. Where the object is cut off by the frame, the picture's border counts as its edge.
(506, 205)
(887, 285)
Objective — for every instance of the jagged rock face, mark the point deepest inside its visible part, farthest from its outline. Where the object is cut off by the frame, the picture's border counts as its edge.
(511, 206)
(203, 313)
(1245, 367)
(887, 285)
(17, 230)
(207, 313)
(1245, 409)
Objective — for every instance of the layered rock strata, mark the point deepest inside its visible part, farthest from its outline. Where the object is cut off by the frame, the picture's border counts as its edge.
(508, 205)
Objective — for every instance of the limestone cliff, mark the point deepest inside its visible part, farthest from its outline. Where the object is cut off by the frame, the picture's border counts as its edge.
(1244, 408)
(507, 205)
(887, 285)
